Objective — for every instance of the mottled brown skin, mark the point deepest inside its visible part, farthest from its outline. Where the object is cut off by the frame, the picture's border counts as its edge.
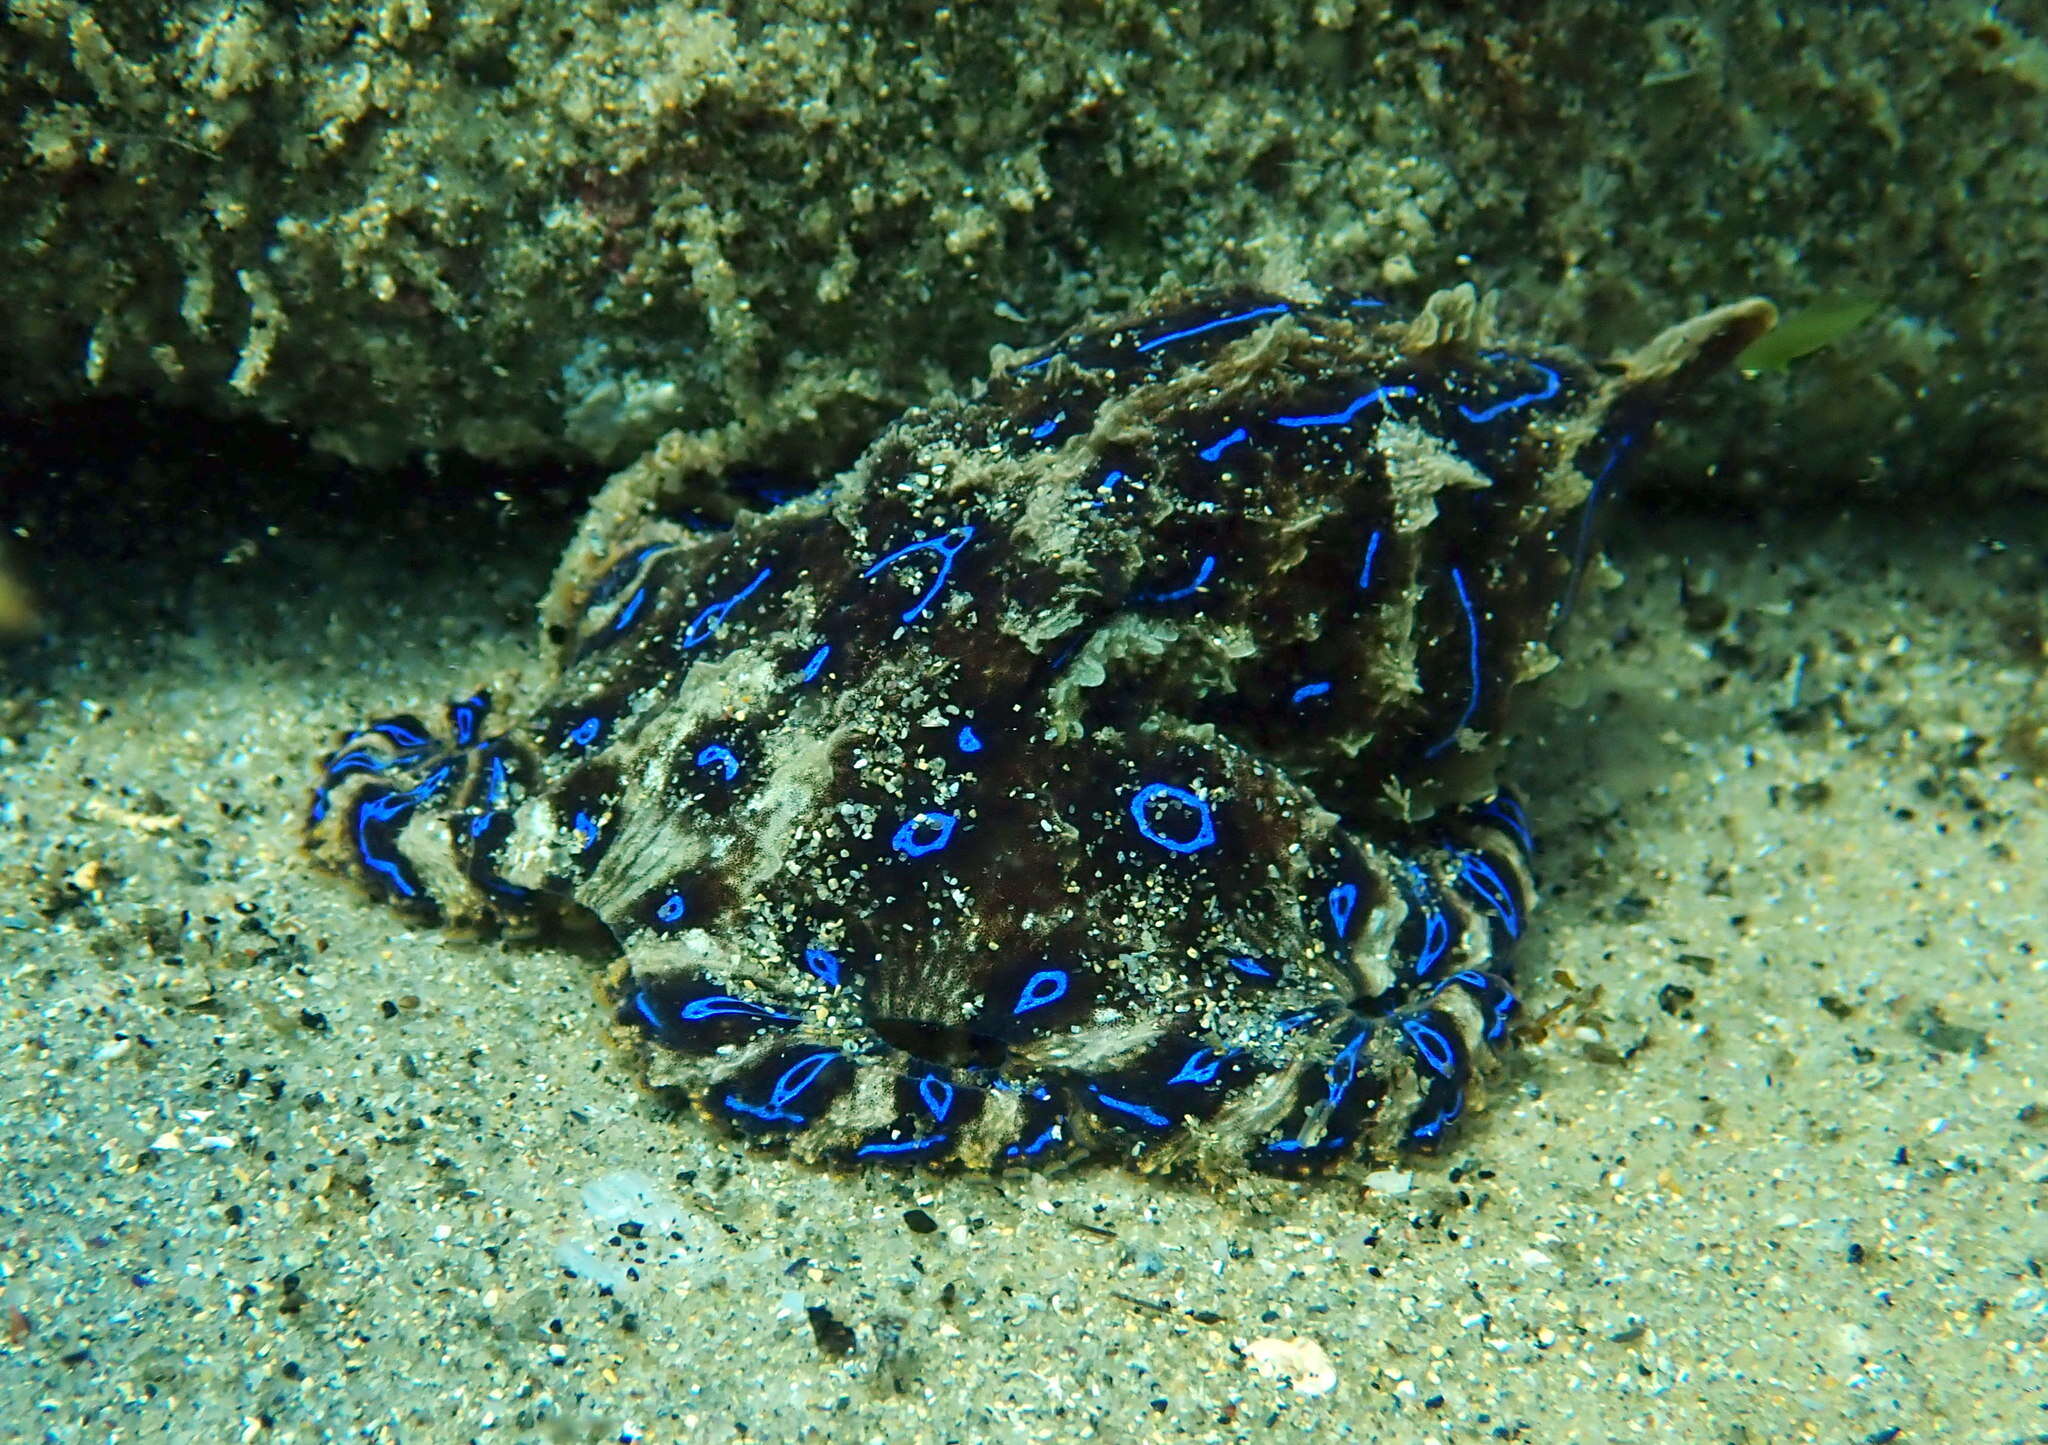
(1091, 767)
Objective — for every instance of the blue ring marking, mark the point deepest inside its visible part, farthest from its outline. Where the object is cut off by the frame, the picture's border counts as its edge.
(1552, 384)
(586, 732)
(1501, 1007)
(672, 909)
(793, 1081)
(937, 1096)
(1149, 1117)
(1202, 1067)
(1342, 1071)
(1278, 308)
(585, 827)
(1215, 450)
(1479, 875)
(1471, 663)
(723, 756)
(623, 618)
(1379, 394)
(1046, 428)
(824, 964)
(1048, 985)
(1343, 901)
(1508, 813)
(1202, 575)
(725, 1005)
(876, 1147)
(906, 840)
(817, 663)
(1205, 834)
(970, 741)
(1308, 690)
(947, 546)
(712, 618)
(1432, 1047)
(1372, 550)
(1253, 968)
(465, 717)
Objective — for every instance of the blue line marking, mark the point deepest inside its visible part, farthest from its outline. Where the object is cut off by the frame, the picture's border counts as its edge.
(495, 785)
(1253, 968)
(1205, 831)
(824, 963)
(909, 845)
(1202, 574)
(792, 1083)
(1379, 394)
(720, 755)
(625, 615)
(1045, 1140)
(1499, 1000)
(1436, 931)
(1277, 309)
(970, 741)
(1308, 690)
(817, 663)
(1043, 361)
(1343, 902)
(1046, 428)
(1552, 384)
(1372, 550)
(357, 758)
(947, 546)
(1471, 663)
(1048, 985)
(1508, 813)
(712, 618)
(876, 1147)
(384, 810)
(1202, 1067)
(1149, 1117)
(1342, 1071)
(1215, 450)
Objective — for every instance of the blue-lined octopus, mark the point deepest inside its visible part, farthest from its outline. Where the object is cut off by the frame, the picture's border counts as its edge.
(1103, 764)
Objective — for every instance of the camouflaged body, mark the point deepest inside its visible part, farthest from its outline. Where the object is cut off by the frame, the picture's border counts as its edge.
(1103, 763)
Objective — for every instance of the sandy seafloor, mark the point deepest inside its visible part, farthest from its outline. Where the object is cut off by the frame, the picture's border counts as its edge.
(278, 1166)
